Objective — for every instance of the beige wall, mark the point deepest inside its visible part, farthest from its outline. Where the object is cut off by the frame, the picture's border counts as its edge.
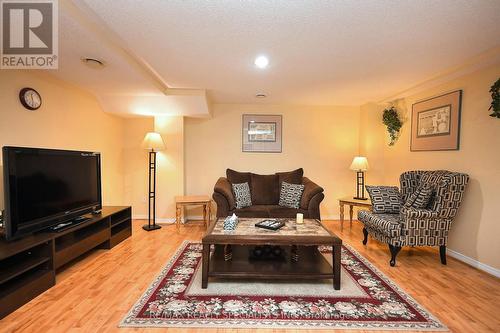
(322, 140)
(69, 118)
(475, 231)
(169, 166)
(170, 178)
(135, 167)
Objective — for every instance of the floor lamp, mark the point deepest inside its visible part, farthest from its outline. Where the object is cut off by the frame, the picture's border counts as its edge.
(360, 165)
(152, 142)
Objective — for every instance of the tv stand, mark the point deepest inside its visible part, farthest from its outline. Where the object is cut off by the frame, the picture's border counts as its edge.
(29, 265)
(68, 224)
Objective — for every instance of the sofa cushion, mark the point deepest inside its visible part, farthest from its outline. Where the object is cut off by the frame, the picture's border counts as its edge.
(265, 189)
(385, 199)
(269, 211)
(236, 177)
(285, 212)
(435, 179)
(290, 195)
(387, 224)
(242, 195)
(254, 211)
(291, 177)
(421, 197)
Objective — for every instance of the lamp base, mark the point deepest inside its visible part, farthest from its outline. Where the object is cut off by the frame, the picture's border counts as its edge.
(357, 198)
(151, 227)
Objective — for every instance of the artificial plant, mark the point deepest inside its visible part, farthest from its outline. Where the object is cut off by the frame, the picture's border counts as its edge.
(495, 99)
(391, 119)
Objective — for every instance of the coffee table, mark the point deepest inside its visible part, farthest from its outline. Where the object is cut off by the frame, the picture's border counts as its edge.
(301, 260)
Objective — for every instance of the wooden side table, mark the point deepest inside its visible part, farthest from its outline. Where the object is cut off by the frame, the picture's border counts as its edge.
(351, 202)
(190, 200)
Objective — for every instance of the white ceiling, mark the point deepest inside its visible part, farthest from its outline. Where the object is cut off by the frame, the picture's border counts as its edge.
(124, 86)
(321, 52)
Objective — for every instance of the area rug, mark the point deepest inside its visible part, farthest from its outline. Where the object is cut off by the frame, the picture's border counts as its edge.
(367, 300)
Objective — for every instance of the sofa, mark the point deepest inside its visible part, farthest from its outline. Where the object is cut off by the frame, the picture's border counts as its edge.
(427, 226)
(265, 194)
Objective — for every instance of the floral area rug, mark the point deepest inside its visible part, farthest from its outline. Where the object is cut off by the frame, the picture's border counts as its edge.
(367, 300)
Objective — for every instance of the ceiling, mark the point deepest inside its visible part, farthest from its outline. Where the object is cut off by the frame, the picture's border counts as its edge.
(320, 52)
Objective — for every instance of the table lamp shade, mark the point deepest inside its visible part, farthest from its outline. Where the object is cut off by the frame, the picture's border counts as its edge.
(153, 141)
(359, 163)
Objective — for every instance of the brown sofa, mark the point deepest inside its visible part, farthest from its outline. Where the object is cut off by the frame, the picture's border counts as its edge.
(265, 192)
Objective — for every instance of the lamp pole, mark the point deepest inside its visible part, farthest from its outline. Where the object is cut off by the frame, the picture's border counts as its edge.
(152, 142)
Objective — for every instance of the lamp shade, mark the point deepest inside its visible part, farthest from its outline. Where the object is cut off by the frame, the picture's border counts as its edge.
(153, 141)
(359, 163)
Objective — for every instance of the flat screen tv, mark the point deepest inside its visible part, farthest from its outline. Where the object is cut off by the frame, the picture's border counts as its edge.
(45, 187)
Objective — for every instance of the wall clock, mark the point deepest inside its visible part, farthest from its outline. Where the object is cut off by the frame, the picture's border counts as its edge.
(30, 98)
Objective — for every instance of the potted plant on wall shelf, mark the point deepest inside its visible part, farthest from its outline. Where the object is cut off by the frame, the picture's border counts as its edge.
(391, 119)
(495, 99)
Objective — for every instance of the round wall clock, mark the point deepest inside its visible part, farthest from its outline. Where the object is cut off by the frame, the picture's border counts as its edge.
(30, 98)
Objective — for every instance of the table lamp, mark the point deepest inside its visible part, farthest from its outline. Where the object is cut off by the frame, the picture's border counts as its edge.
(360, 165)
(152, 142)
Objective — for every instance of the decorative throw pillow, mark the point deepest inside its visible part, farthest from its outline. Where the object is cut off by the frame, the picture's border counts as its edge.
(290, 195)
(242, 195)
(421, 197)
(385, 199)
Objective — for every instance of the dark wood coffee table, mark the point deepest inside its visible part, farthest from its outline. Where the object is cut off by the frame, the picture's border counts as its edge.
(302, 260)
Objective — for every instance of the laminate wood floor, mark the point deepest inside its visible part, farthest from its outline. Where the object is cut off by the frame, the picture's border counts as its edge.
(95, 292)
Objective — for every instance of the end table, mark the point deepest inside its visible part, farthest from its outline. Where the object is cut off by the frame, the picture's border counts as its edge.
(189, 200)
(352, 202)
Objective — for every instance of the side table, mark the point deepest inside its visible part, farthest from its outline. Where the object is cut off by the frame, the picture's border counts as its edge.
(190, 200)
(351, 202)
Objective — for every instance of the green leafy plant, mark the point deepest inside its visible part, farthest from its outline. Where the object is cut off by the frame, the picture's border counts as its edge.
(495, 99)
(391, 119)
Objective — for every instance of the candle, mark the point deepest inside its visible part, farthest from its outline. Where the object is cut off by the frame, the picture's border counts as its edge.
(300, 218)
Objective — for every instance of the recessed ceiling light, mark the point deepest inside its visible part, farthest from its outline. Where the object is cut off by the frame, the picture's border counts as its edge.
(261, 62)
(261, 95)
(93, 63)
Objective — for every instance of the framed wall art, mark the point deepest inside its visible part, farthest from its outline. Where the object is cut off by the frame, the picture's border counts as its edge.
(435, 123)
(261, 133)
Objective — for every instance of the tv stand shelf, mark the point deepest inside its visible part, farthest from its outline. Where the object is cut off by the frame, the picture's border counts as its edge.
(28, 266)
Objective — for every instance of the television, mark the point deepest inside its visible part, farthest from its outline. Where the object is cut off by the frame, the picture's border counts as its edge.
(46, 187)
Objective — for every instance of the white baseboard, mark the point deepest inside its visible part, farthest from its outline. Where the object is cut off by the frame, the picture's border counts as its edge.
(474, 263)
(454, 254)
(200, 218)
(167, 220)
(335, 217)
(160, 220)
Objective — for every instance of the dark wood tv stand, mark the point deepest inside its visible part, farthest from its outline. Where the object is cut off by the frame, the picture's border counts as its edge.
(28, 266)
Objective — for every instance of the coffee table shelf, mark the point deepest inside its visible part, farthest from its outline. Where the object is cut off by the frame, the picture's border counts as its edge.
(311, 265)
(234, 246)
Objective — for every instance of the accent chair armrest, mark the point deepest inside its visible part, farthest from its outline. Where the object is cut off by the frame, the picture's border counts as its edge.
(310, 190)
(223, 187)
(414, 213)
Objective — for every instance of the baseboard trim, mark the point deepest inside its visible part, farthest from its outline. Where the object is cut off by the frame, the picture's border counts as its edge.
(474, 263)
(335, 217)
(159, 220)
(200, 218)
(454, 254)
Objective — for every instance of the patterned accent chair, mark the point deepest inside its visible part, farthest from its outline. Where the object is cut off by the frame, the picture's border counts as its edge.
(419, 227)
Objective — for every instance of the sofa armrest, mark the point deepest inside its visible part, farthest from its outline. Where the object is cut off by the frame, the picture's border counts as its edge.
(310, 190)
(223, 187)
(222, 205)
(313, 209)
